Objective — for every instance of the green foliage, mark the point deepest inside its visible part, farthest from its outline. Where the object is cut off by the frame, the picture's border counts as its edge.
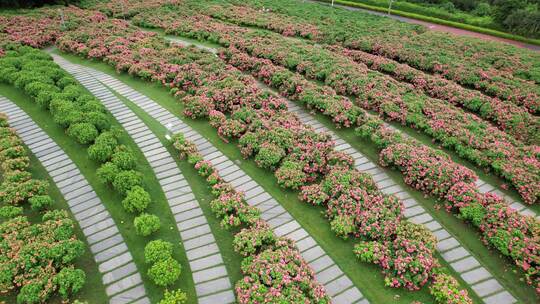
(174, 297)
(10, 211)
(83, 132)
(123, 158)
(69, 281)
(157, 250)
(165, 272)
(126, 180)
(103, 147)
(146, 224)
(40, 202)
(107, 172)
(136, 200)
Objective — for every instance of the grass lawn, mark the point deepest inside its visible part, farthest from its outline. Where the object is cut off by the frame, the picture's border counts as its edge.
(112, 200)
(366, 276)
(93, 290)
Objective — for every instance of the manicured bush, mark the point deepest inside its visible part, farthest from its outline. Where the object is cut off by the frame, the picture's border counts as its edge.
(103, 147)
(84, 132)
(40, 202)
(136, 200)
(146, 224)
(124, 158)
(107, 172)
(126, 180)
(165, 272)
(445, 289)
(157, 250)
(69, 281)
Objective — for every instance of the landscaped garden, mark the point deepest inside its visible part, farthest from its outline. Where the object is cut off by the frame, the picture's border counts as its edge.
(224, 151)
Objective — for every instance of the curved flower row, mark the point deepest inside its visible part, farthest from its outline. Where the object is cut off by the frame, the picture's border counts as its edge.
(273, 269)
(470, 136)
(496, 69)
(509, 117)
(425, 169)
(37, 259)
(265, 130)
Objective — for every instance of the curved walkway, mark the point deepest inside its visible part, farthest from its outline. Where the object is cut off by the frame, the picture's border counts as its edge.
(459, 258)
(210, 276)
(337, 284)
(115, 263)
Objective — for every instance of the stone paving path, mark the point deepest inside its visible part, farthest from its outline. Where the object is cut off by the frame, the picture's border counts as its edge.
(210, 275)
(338, 285)
(459, 258)
(119, 273)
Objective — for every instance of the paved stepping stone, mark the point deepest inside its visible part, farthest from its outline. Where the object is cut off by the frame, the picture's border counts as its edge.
(256, 196)
(107, 244)
(449, 247)
(185, 208)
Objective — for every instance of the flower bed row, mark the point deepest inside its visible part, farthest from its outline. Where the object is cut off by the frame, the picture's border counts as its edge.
(273, 269)
(36, 259)
(86, 121)
(496, 69)
(425, 169)
(471, 137)
(509, 117)
(276, 138)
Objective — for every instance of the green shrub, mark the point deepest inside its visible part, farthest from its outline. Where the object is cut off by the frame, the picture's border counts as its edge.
(103, 146)
(165, 272)
(146, 224)
(157, 250)
(269, 155)
(124, 158)
(98, 119)
(137, 199)
(107, 172)
(84, 133)
(10, 211)
(126, 180)
(40, 202)
(69, 281)
(174, 297)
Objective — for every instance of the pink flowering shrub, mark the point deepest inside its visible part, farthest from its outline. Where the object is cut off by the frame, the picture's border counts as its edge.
(279, 275)
(445, 289)
(273, 269)
(407, 260)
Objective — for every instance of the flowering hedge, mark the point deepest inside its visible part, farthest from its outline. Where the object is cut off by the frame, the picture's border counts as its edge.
(273, 269)
(496, 69)
(36, 260)
(470, 136)
(509, 117)
(425, 169)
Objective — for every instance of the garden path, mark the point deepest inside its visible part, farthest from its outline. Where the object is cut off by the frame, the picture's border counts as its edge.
(338, 286)
(115, 263)
(209, 273)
